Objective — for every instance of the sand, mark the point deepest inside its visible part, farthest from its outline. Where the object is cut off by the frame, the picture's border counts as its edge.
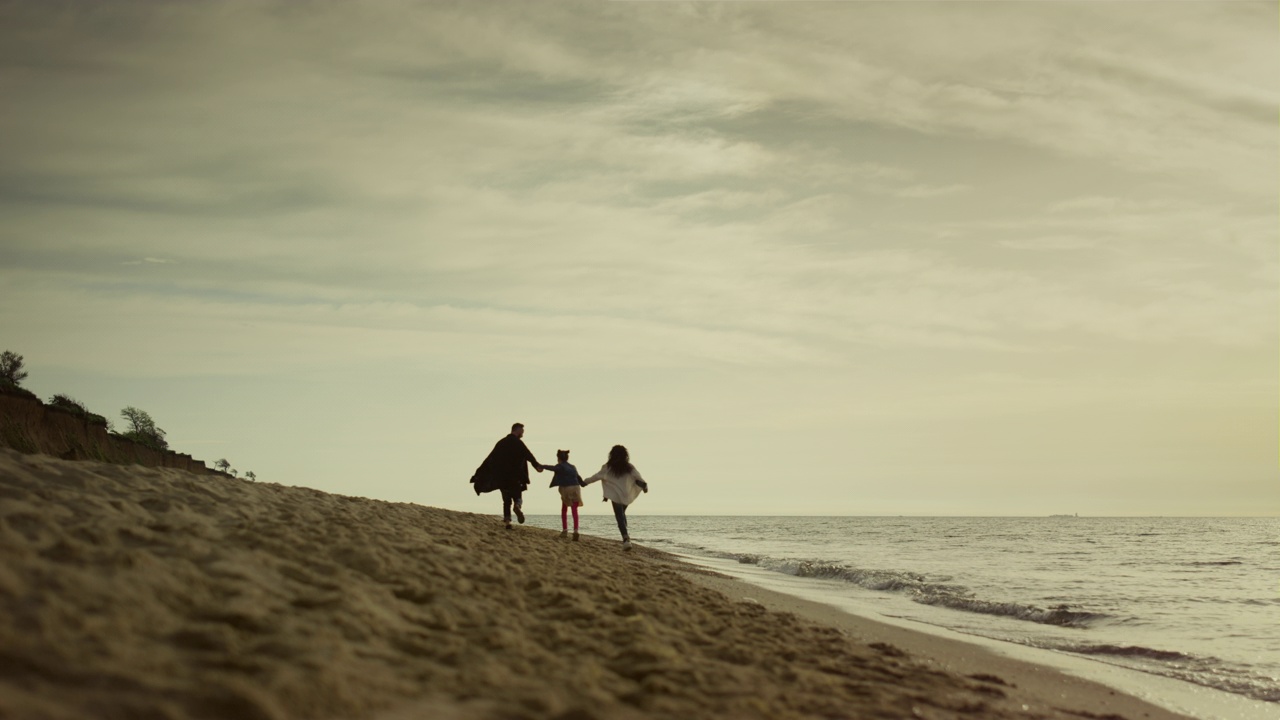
(131, 592)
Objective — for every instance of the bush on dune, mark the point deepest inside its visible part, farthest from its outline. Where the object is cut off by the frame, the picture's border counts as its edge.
(12, 375)
(10, 388)
(142, 429)
(11, 367)
(69, 404)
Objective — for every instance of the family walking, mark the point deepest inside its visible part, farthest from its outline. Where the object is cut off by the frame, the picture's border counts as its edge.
(507, 469)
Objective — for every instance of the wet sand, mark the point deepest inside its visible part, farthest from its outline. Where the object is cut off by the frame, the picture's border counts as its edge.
(131, 592)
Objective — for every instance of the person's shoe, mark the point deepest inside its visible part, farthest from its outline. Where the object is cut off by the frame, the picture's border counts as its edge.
(508, 522)
(520, 515)
(564, 534)
(626, 544)
(575, 536)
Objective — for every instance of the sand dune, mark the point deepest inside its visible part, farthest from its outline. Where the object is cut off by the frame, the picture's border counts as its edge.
(131, 592)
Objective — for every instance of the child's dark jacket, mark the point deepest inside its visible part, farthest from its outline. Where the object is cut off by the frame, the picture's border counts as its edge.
(566, 475)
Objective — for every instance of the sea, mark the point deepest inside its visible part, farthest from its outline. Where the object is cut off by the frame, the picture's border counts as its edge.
(1183, 612)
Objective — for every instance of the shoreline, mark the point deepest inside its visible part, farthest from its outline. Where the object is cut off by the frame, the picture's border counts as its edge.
(131, 591)
(1039, 685)
(1180, 697)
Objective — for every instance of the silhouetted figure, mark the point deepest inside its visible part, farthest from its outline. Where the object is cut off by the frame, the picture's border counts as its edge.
(570, 484)
(505, 469)
(622, 485)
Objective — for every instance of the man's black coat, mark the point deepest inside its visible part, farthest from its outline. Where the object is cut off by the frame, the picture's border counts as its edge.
(507, 467)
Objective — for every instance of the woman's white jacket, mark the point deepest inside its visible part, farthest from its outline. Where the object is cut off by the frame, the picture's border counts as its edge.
(621, 489)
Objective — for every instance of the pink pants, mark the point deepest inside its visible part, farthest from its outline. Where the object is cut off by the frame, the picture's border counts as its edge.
(564, 517)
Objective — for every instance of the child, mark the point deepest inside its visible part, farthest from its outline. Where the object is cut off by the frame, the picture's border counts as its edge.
(622, 485)
(570, 484)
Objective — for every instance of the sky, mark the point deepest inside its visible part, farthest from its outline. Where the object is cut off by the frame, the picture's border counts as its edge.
(835, 258)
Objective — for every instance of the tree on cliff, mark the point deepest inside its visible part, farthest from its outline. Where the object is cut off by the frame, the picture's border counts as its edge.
(143, 429)
(66, 402)
(222, 464)
(251, 476)
(11, 367)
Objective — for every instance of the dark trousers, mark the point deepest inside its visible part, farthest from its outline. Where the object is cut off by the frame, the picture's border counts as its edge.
(620, 514)
(509, 497)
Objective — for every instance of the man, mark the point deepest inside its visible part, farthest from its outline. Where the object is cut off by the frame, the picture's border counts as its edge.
(505, 469)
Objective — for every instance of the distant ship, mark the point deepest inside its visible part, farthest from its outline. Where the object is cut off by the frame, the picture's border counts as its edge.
(1075, 515)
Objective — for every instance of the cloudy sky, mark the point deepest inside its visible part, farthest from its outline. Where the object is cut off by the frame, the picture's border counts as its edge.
(959, 258)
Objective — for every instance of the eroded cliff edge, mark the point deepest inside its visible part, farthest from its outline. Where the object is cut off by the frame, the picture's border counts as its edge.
(30, 426)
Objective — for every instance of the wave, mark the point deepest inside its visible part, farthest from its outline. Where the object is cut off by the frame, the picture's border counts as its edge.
(1129, 651)
(1248, 679)
(1210, 672)
(1062, 616)
(925, 591)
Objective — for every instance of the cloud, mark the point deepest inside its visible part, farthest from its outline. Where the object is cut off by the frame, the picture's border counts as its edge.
(648, 163)
(928, 191)
(749, 224)
(147, 261)
(1034, 87)
(1050, 242)
(1224, 95)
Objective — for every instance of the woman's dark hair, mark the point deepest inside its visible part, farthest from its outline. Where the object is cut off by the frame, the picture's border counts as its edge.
(619, 461)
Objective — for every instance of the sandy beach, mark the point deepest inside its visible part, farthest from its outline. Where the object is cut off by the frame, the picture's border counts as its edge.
(131, 592)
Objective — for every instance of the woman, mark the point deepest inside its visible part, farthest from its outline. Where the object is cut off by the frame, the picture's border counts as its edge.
(622, 485)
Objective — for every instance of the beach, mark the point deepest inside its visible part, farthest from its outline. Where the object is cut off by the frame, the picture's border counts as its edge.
(131, 592)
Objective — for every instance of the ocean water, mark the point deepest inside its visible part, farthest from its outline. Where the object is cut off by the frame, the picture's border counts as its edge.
(1189, 603)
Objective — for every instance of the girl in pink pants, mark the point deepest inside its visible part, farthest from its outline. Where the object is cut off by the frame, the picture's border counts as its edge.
(570, 484)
